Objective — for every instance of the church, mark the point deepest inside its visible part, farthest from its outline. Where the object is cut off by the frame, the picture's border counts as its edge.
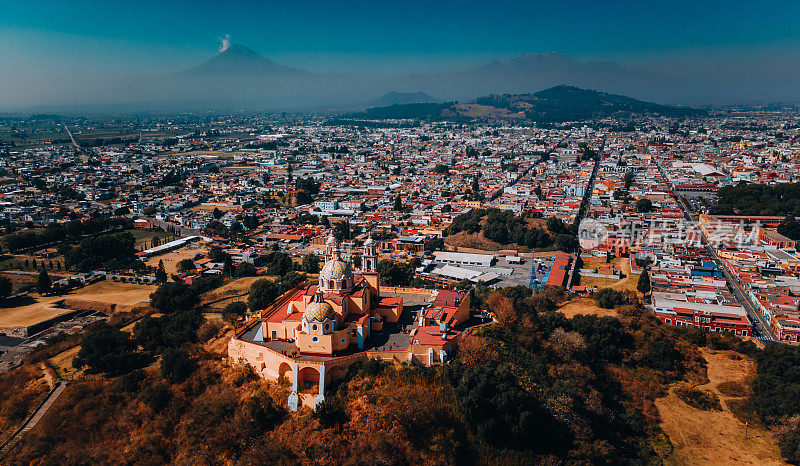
(339, 312)
(313, 333)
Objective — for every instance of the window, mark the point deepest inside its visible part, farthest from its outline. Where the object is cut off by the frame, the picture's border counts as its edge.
(330, 284)
(669, 321)
(327, 327)
(343, 340)
(314, 339)
(314, 327)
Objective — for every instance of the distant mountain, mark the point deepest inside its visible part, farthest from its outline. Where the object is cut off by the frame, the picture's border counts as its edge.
(402, 98)
(536, 71)
(240, 60)
(557, 104)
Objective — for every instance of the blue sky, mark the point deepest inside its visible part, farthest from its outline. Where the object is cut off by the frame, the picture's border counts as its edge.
(84, 36)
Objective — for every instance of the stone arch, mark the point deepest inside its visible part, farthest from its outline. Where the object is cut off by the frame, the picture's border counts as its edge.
(336, 373)
(308, 378)
(285, 372)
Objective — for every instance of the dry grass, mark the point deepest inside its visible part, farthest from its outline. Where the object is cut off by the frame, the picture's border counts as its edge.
(463, 239)
(171, 259)
(716, 437)
(585, 306)
(124, 295)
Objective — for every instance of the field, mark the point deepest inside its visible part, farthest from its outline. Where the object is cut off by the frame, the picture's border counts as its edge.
(629, 282)
(23, 316)
(171, 259)
(235, 290)
(716, 437)
(585, 306)
(144, 238)
(463, 239)
(124, 295)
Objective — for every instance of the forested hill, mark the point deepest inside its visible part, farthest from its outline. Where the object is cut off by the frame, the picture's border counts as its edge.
(557, 104)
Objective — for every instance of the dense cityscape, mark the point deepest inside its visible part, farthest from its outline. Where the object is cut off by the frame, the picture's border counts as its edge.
(375, 233)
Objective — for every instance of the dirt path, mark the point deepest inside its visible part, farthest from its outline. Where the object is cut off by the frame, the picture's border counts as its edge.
(716, 437)
(627, 282)
(33, 419)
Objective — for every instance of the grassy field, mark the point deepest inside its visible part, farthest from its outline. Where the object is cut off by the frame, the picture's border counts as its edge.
(124, 295)
(172, 258)
(144, 238)
(716, 437)
(585, 306)
(628, 282)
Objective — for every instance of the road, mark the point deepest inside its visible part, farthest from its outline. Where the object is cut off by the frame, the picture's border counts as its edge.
(759, 323)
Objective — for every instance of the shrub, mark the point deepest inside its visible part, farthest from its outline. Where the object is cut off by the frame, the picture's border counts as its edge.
(176, 364)
(208, 330)
(732, 388)
(697, 398)
(156, 396)
(234, 312)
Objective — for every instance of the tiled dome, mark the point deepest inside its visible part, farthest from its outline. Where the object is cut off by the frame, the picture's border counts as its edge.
(319, 312)
(336, 270)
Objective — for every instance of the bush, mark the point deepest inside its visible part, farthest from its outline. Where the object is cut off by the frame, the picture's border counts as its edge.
(106, 349)
(234, 312)
(700, 399)
(262, 293)
(208, 330)
(173, 297)
(246, 269)
(131, 381)
(176, 364)
(732, 388)
(156, 396)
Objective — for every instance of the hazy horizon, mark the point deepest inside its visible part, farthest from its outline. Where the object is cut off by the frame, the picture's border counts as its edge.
(96, 53)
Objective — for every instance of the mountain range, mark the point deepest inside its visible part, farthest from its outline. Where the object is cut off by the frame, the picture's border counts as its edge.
(239, 78)
(557, 104)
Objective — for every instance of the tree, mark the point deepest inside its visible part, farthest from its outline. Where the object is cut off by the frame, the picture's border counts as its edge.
(310, 263)
(262, 293)
(555, 225)
(440, 168)
(176, 364)
(279, 263)
(790, 227)
(5, 287)
(234, 312)
(644, 282)
(44, 284)
(398, 204)
(173, 297)
(246, 269)
(161, 273)
(644, 205)
(184, 265)
(105, 349)
(217, 213)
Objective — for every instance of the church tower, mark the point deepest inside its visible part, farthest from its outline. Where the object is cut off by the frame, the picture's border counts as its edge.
(330, 248)
(369, 266)
(369, 259)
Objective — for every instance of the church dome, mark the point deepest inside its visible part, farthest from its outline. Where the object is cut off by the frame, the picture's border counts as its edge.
(319, 312)
(336, 270)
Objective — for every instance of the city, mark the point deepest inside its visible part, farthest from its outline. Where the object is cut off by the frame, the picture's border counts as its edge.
(465, 254)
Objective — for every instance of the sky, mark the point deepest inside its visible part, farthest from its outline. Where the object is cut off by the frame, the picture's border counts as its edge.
(40, 39)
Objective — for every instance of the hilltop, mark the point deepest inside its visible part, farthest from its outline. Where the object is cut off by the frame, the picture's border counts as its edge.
(402, 98)
(557, 104)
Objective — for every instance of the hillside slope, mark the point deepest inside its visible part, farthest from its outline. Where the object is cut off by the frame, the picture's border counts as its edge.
(557, 104)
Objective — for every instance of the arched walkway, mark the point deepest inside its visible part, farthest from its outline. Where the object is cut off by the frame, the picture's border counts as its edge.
(308, 378)
(285, 372)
